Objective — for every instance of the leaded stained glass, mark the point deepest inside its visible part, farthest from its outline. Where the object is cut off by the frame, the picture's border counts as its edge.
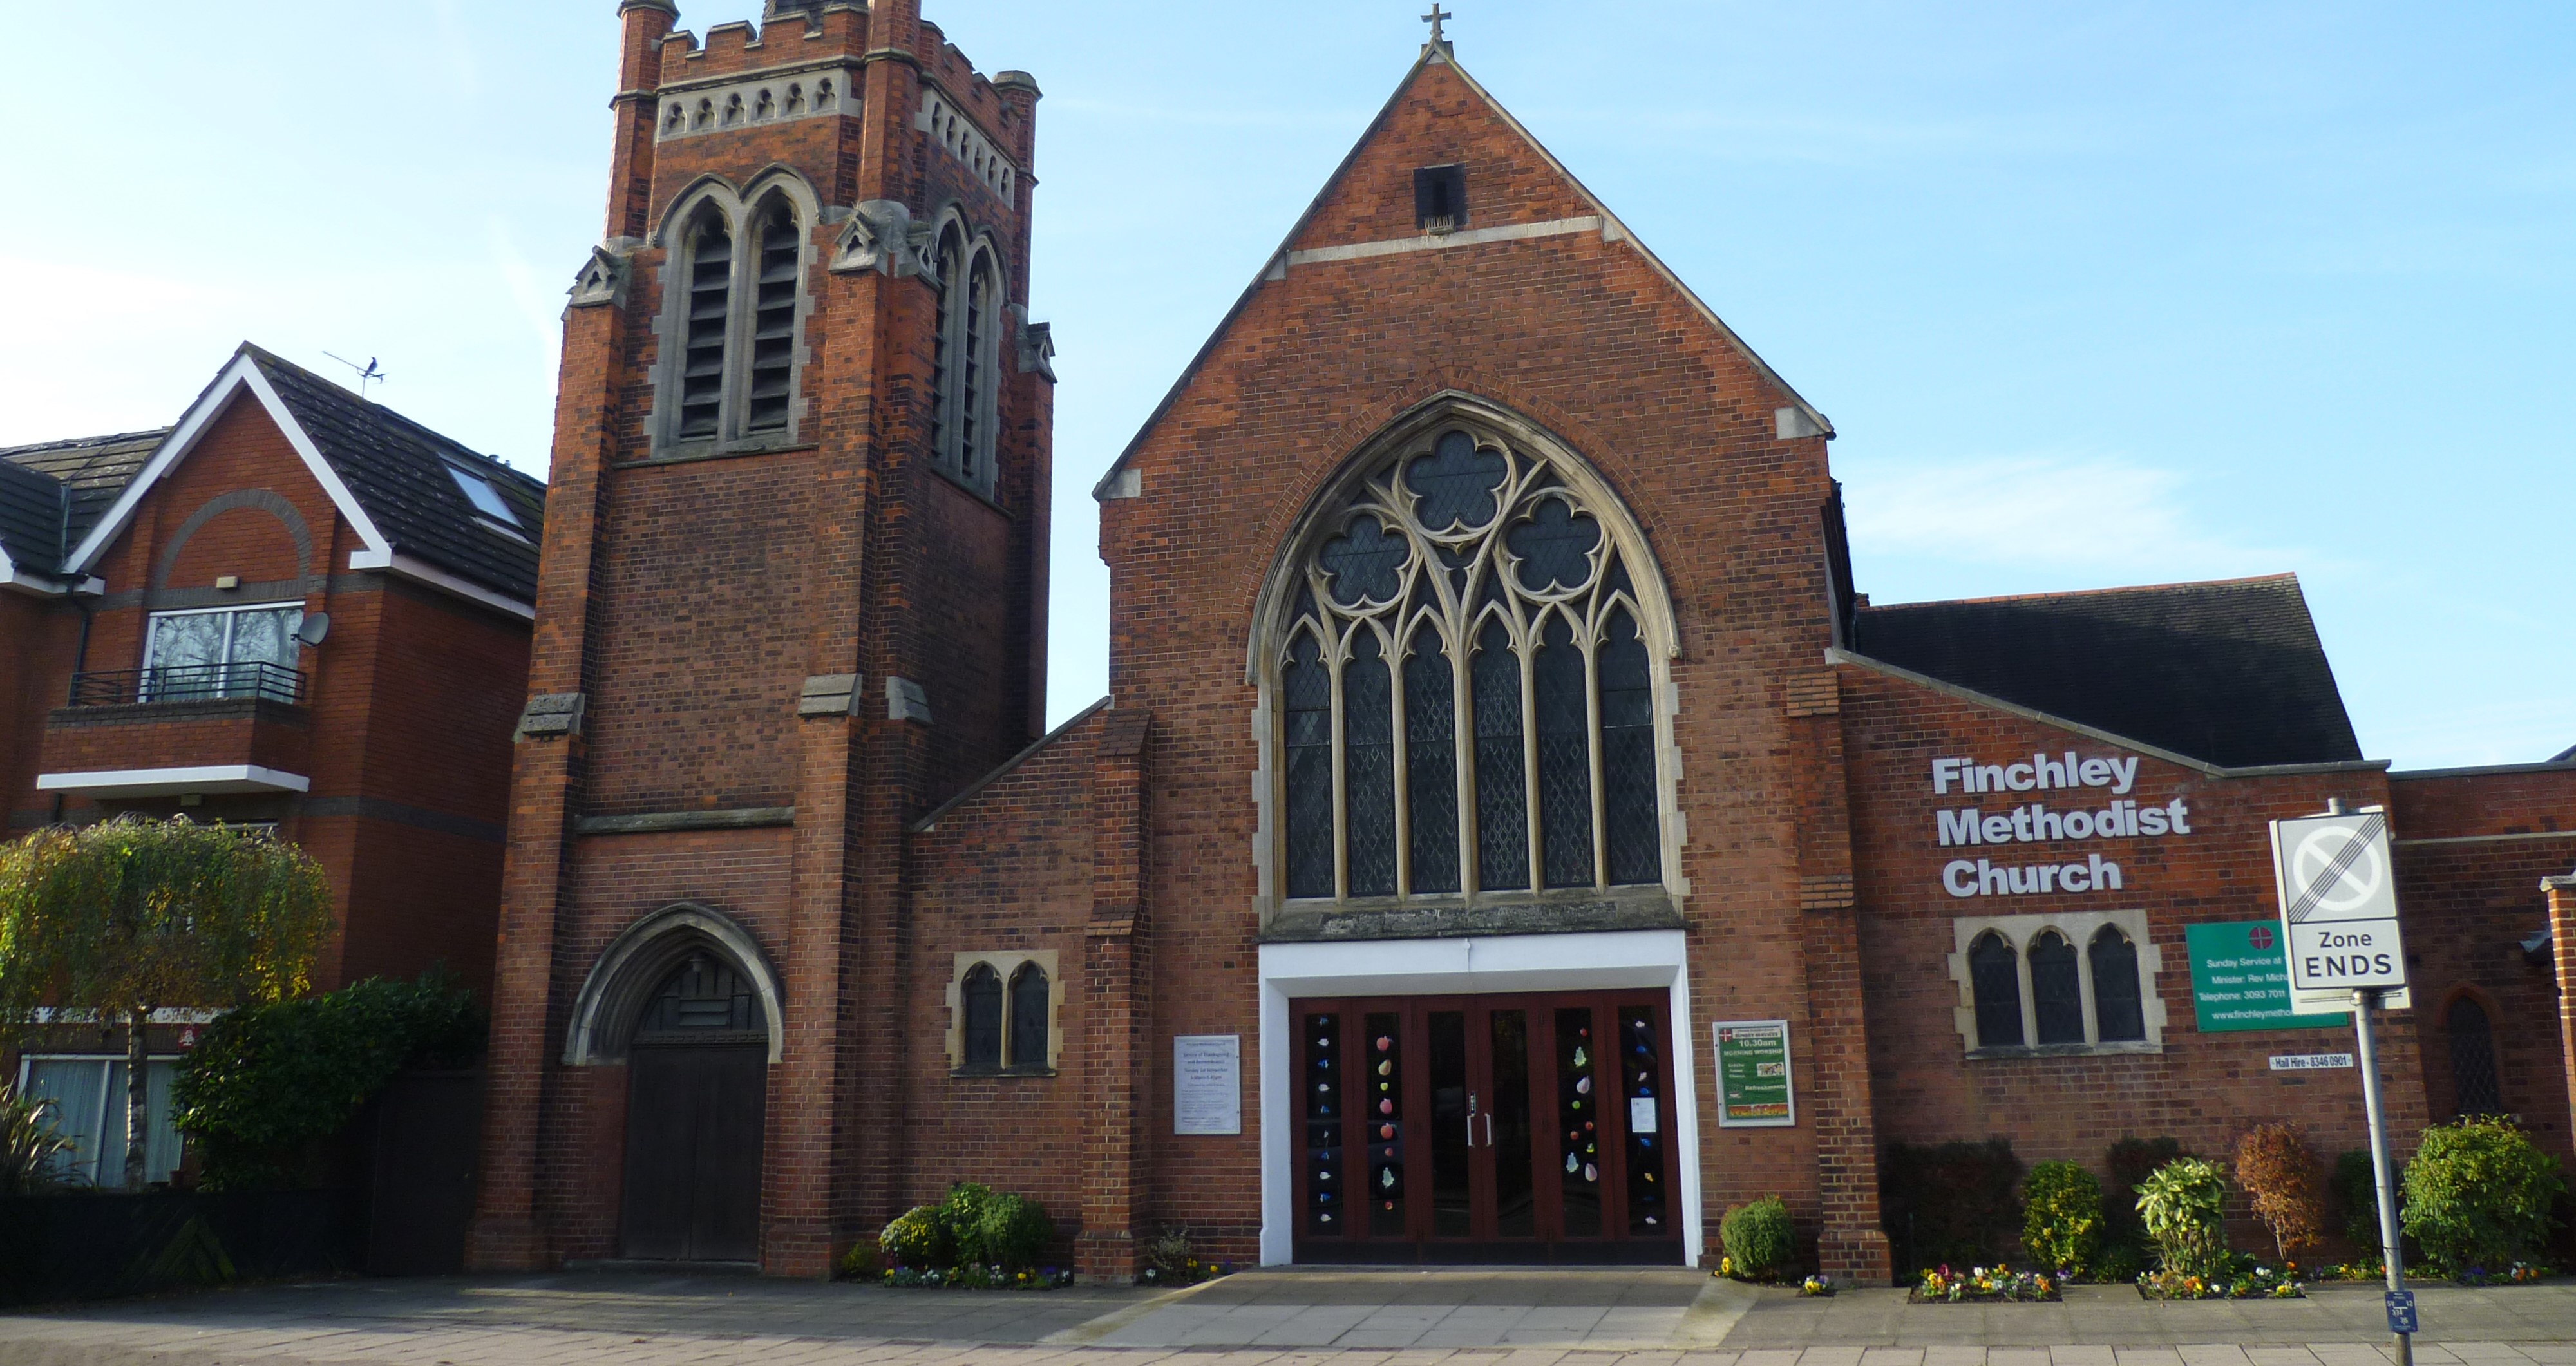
(1307, 689)
(1502, 797)
(1564, 758)
(981, 995)
(1431, 763)
(2056, 992)
(1029, 1010)
(1465, 681)
(1368, 759)
(1995, 971)
(1630, 850)
(2116, 1009)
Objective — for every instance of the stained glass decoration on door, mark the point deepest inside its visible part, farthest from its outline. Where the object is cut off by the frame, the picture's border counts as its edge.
(1326, 1175)
(1578, 1114)
(1383, 1119)
(1465, 627)
(1641, 1072)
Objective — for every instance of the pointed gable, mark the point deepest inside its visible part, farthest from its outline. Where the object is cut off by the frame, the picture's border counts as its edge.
(1517, 195)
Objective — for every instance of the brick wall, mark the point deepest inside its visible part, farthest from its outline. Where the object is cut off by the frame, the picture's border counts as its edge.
(2205, 1089)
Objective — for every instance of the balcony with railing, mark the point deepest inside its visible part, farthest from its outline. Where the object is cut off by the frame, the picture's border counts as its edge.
(253, 679)
(179, 729)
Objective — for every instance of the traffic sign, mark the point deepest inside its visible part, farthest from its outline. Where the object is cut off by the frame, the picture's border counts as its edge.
(2401, 1311)
(2338, 896)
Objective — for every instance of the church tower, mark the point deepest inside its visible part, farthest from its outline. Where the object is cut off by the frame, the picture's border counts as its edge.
(793, 595)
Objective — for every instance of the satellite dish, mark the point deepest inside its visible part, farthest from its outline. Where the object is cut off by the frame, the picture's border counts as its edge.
(316, 625)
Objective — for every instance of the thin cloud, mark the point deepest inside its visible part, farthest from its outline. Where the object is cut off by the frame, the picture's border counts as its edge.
(2052, 511)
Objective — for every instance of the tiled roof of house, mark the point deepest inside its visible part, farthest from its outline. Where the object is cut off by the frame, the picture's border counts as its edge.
(399, 472)
(31, 519)
(94, 468)
(2229, 673)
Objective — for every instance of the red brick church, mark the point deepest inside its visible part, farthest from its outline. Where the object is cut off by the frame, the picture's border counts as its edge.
(1509, 835)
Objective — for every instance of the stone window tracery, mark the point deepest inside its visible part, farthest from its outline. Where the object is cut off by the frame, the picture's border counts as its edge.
(1463, 687)
(1004, 1014)
(2026, 989)
(737, 284)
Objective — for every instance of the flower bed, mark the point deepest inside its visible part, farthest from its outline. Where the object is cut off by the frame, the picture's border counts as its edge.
(976, 1278)
(2242, 1283)
(1186, 1271)
(2520, 1273)
(1984, 1284)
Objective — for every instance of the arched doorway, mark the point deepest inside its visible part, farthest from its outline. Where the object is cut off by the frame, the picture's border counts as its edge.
(697, 1095)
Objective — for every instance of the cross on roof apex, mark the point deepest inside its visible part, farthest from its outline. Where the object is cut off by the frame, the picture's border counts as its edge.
(1434, 19)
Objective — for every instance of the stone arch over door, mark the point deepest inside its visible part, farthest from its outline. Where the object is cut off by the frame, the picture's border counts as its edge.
(687, 1001)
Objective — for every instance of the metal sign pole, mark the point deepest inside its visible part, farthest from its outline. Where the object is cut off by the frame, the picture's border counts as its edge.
(2399, 1301)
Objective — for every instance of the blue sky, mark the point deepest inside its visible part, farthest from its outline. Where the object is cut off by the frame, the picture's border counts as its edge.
(2095, 294)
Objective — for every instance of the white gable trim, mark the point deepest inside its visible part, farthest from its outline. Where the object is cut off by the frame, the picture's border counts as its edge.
(420, 571)
(242, 374)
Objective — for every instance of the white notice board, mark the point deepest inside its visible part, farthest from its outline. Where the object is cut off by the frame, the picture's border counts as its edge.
(1207, 1083)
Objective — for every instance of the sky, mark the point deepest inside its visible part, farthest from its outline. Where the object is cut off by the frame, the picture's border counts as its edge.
(2094, 294)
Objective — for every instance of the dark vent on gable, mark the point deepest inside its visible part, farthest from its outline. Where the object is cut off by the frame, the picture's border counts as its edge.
(1440, 198)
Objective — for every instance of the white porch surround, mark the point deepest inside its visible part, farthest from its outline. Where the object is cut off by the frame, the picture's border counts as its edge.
(1424, 967)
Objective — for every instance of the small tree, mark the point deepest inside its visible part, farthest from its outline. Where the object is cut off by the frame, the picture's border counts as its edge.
(131, 915)
(2286, 1180)
(2184, 1205)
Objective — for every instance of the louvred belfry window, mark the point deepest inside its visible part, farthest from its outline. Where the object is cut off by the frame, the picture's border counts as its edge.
(709, 304)
(1464, 687)
(773, 325)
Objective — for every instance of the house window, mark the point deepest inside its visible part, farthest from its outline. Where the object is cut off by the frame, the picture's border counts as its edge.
(738, 293)
(965, 359)
(224, 652)
(1004, 1011)
(2476, 1089)
(84, 1099)
(2026, 989)
(1464, 690)
(486, 499)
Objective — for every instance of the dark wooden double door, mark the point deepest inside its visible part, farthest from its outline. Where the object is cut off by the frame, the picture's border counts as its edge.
(694, 1113)
(1499, 1129)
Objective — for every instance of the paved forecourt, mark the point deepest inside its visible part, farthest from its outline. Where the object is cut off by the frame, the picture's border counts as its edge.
(1372, 1318)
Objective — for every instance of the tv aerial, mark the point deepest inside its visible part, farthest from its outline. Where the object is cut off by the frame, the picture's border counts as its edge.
(369, 373)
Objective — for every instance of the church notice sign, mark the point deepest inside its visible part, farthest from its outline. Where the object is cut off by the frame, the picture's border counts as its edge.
(1753, 1075)
(2240, 979)
(1207, 1084)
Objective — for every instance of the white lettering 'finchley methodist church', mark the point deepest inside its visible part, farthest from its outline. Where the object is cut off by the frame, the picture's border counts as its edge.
(2036, 823)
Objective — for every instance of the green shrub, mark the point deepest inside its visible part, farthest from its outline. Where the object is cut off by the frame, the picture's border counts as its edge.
(2061, 1224)
(1759, 1239)
(2478, 1195)
(2356, 1191)
(918, 1238)
(863, 1262)
(1009, 1232)
(2184, 1207)
(1957, 1204)
(265, 1082)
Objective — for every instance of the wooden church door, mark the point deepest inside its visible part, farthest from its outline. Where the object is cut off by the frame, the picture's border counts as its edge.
(697, 1095)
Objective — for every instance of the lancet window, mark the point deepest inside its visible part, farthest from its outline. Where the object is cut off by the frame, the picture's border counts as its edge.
(965, 358)
(1464, 687)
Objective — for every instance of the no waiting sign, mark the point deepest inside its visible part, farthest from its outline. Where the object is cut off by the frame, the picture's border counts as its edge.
(2338, 891)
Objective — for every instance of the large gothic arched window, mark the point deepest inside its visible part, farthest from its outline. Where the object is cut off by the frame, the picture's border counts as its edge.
(736, 323)
(1463, 685)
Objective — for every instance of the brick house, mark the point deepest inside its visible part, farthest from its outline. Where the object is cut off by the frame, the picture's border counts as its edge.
(294, 609)
(1494, 731)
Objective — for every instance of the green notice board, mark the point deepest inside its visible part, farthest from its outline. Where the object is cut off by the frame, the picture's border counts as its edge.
(1753, 1075)
(2240, 979)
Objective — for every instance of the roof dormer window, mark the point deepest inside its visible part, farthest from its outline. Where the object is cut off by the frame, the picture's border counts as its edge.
(486, 499)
